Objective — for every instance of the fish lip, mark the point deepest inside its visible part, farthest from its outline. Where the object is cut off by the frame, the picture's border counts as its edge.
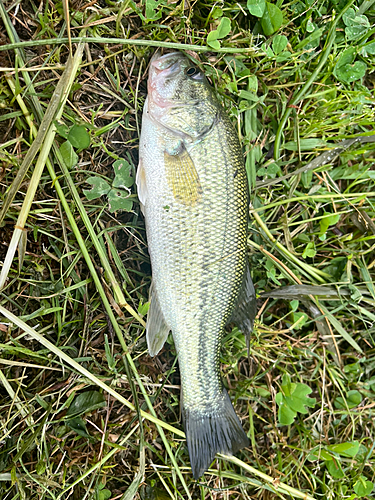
(160, 62)
(163, 68)
(158, 55)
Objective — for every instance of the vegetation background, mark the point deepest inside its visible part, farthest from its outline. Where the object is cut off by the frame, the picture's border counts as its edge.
(85, 413)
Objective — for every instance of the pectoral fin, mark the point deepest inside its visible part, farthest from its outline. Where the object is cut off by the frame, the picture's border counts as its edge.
(246, 310)
(140, 181)
(156, 328)
(182, 176)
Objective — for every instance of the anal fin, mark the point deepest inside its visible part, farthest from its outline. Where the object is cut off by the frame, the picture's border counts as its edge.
(156, 328)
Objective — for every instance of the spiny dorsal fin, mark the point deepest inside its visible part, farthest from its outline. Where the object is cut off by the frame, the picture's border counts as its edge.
(182, 177)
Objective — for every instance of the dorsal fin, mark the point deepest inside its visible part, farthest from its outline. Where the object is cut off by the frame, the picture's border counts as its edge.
(244, 315)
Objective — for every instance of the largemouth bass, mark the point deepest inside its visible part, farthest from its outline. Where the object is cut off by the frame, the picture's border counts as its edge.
(192, 186)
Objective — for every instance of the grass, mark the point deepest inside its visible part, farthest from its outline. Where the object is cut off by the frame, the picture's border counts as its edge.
(85, 413)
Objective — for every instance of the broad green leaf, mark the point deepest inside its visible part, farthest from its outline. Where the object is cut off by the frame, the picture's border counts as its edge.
(287, 386)
(41, 467)
(348, 71)
(299, 399)
(363, 487)
(151, 12)
(238, 67)
(62, 129)
(250, 96)
(221, 32)
(294, 305)
(272, 19)
(99, 187)
(267, 49)
(263, 392)
(102, 493)
(351, 19)
(354, 32)
(352, 399)
(348, 449)
(356, 25)
(68, 154)
(217, 13)
(215, 44)
(78, 425)
(292, 399)
(285, 414)
(327, 221)
(86, 402)
(353, 368)
(319, 453)
(369, 48)
(256, 7)
(224, 28)
(143, 308)
(119, 199)
(284, 56)
(352, 72)
(334, 468)
(279, 43)
(252, 83)
(309, 250)
(124, 177)
(79, 137)
(310, 26)
(299, 319)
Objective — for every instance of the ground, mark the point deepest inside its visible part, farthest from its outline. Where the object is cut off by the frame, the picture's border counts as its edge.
(85, 413)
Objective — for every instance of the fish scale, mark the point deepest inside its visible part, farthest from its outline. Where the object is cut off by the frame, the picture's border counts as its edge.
(193, 186)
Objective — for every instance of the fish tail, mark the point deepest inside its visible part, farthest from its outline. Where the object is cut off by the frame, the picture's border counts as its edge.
(212, 431)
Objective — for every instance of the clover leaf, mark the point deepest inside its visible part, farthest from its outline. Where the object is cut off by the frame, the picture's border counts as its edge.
(356, 25)
(272, 19)
(221, 32)
(363, 487)
(124, 177)
(119, 192)
(279, 43)
(347, 70)
(327, 221)
(68, 154)
(352, 399)
(78, 137)
(98, 187)
(119, 200)
(292, 400)
(256, 7)
(85, 403)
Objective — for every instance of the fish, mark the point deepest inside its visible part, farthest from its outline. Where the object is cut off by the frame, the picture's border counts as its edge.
(192, 186)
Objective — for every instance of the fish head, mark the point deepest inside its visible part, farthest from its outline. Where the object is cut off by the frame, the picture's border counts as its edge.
(179, 96)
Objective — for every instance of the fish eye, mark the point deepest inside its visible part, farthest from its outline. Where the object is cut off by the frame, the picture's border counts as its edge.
(193, 72)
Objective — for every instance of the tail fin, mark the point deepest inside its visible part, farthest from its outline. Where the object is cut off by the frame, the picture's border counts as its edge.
(211, 432)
